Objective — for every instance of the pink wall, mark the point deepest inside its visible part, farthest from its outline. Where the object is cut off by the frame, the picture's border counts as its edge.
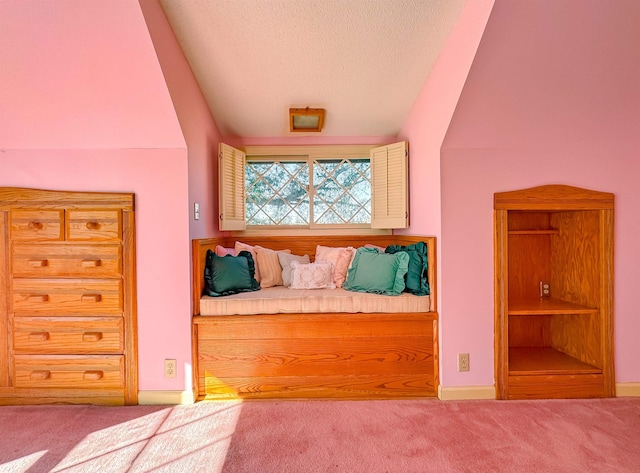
(198, 126)
(85, 107)
(425, 130)
(81, 73)
(429, 118)
(552, 97)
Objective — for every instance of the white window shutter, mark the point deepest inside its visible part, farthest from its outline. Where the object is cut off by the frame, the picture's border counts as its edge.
(231, 188)
(389, 186)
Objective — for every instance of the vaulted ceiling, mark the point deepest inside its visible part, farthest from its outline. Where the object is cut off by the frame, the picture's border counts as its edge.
(364, 61)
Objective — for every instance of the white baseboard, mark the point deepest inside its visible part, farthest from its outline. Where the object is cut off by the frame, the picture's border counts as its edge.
(459, 393)
(165, 397)
(627, 389)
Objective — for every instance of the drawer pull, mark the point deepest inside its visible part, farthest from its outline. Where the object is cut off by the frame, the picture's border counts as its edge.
(39, 336)
(91, 298)
(93, 225)
(93, 375)
(38, 298)
(91, 336)
(36, 225)
(40, 263)
(40, 375)
(91, 263)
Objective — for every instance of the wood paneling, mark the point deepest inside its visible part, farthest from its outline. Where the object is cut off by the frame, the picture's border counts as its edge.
(320, 387)
(526, 331)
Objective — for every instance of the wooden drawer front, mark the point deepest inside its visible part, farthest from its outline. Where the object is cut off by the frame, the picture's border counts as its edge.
(69, 296)
(68, 335)
(93, 225)
(37, 224)
(76, 372)
(72, 261)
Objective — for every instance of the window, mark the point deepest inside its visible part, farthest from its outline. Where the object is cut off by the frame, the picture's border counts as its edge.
(313, 187)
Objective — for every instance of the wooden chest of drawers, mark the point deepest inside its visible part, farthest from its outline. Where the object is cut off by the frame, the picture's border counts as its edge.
(68, 320)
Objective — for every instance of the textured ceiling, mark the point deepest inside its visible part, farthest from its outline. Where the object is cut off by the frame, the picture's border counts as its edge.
(365, 61)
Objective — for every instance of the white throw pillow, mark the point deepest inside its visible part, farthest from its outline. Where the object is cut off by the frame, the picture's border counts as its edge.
(312, 276)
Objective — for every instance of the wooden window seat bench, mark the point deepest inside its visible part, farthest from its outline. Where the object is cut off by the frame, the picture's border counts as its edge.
(322, 355)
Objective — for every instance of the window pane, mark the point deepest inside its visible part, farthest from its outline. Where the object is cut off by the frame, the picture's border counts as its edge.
(342, 191)
(276, 193)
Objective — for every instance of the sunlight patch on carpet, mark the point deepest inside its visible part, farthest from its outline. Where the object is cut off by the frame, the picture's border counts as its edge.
(22, 463)
(197, 436)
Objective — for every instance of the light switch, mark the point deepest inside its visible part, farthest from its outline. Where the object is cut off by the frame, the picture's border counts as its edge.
(196, 211)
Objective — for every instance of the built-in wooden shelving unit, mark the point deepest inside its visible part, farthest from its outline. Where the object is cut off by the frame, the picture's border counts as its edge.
(561, 345)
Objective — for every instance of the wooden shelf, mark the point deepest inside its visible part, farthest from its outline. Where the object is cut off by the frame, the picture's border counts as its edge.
(549, 231)
(546, 361)
(547, 306)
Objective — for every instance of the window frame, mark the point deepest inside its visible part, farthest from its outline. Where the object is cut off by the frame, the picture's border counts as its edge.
(395, 161)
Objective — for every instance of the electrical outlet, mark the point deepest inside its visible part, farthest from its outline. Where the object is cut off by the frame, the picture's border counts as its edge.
(169, 368)
(196, 211)
(463, 362)
(545, 289)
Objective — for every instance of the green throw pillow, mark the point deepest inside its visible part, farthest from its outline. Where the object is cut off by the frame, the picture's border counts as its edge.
(416, 280)
(225, 275)
(373, 271)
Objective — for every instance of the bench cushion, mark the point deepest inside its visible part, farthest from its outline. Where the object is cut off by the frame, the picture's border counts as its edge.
(282, 300)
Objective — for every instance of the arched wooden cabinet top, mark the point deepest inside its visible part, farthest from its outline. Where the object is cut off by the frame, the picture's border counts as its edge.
(553, 197)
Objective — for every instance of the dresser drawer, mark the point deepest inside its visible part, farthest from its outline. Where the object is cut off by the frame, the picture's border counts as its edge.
(71, 261)
(36, 225)
(73, 372)
(67, 296)
(94, 225)
(68, 335)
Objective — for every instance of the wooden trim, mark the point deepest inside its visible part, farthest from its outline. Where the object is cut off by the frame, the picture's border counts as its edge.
(464, 393)
(627, 389)
(130, 309)
(195, 360)
(606, 301)
(313, 151)
(4, 300)
(17, 197)
(553, 197)
(152, 398)
(436, 353)
(501, 322)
